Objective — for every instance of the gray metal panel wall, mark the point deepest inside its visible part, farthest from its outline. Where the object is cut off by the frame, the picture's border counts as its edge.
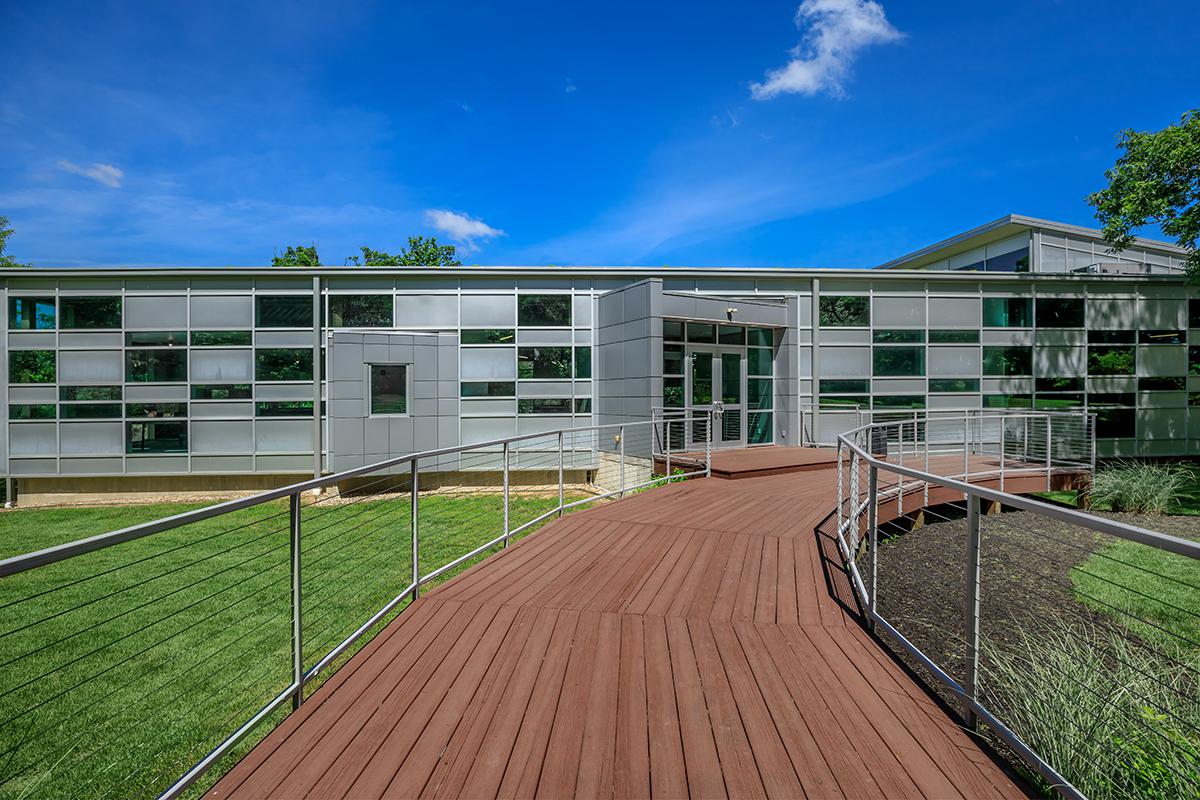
(628, 365)
(786, 401)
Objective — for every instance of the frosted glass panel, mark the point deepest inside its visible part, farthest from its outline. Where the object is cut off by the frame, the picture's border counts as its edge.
(92, 438)
(427, 311)
(222, 437)
(222, 366)
(954, 312)
(283, 435)
(89, 366)
(164, 313)
(849, 362)
(492, 363)
(222, 312)
(499, 310)
(953, 361)
(484, 429)
(899, 311)
(32, 439)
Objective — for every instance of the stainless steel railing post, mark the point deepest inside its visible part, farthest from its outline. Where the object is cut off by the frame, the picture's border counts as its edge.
(416, 540)
(667, 438)
(506, 525)
(621, 462)
(971, 678)
(560, 473)
(294, 515)
(873, 530)
(708, 443)
(1048, 438)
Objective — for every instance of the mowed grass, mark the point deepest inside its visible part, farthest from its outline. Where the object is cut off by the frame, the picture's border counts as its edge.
(121, 668)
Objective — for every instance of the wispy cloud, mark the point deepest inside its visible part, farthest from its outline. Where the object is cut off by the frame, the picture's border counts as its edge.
(571, 88)
(107, 174)
(834, 33)
(464, 230)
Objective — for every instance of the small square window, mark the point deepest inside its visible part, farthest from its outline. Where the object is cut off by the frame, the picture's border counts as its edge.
(389, 389)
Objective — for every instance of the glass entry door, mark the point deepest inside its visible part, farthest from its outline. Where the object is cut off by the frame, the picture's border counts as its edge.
(718, 375)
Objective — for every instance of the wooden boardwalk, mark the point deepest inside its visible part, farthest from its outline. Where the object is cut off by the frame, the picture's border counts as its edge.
(695, 640)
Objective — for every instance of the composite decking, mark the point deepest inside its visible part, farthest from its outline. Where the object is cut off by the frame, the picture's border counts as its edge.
(696, 640)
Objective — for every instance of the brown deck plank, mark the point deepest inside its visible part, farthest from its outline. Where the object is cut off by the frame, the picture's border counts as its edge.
(689, 641)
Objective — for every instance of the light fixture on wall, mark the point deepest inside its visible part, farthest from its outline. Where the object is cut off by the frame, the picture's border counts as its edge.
(729, 312)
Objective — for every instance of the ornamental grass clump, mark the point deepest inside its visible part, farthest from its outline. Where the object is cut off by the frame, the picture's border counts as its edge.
(1113, 717)
(1141, 488)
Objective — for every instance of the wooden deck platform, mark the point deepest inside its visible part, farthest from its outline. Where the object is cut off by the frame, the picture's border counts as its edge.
(756, 462)
(695, 640)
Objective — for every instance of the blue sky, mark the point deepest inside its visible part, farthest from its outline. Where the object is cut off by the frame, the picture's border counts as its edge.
(567, 133)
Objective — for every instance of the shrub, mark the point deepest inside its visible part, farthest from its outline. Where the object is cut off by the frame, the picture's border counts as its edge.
(1114, 718)
(1141, 488)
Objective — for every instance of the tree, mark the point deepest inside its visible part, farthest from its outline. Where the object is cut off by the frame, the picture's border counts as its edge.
(298, 256)
(5, 232)
(421, 252)
(1156, 180)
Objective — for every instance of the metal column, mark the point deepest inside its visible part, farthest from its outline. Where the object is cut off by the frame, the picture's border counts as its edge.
(971, 679)
(872, 527)
(416, 541)
(560, 473)
(294, 515)
(506, 528)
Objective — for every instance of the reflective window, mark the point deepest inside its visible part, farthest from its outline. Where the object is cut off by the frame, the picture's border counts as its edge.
(489, 336)
(1111, 360)
(701, 333)
(389, 389)
(89, 393)
(759, 394)
(1010, 360)
(760, 337)
(156, 366)
(759, 361)
(31, 313)
(1111, 399)
(156, 409)
(234, 391)
(31, 366)
(954, 384)
(1059, 384)
(847, 401)
(89, 312)
(284, 408)
(954, 337)
(1194, 360)
(899, 361)
(283, 311)
(583, 405)
(899, 401)
(1008, 401)
(155, 338)
(156, 437)
(543, 362)
(1013, 261)
(583, 362)
(673, 392)
(1056, 402)
(1060, 312)
(1162, 337)
(672, 330)
(672, 359)
(842, 311)
(283, 364)
(90, 410)
(31, 411)
(1162, 384)
(759, 427)
(360, 311)
(898, 336)
(1007, 312)
(731, 334)
(544, 405)
(488, 388)
(220, 338)
(847, 386)
(544, 310)
(1116, 423)
(1194, 313)
(1111, 337)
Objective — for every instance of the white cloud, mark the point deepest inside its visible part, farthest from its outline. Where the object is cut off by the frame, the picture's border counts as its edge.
(834, 32)
(466, 231)
(571, 87)
(106, 174)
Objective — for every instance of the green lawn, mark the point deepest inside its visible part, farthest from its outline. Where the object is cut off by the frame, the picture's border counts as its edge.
(121, 668)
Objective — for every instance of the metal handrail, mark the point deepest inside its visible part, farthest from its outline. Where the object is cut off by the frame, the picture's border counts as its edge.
(850, 513)
(504, 448)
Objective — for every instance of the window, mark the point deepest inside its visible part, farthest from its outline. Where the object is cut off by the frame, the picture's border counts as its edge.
(89, 393)
(1059, 384)
(1013, 261)
(760, 337)
(236, 391)
(389, 388)
(1007, 312)
(220, 338)
(1162, 337)
(1060, 312)
(489, 336)
(31, 366)
(1008, 401)
(583, 362)
(488, 389)
(759, 394)
(672, 330)
(583, 405)
(1162, 384)
(284, 408)
(845, 401)
(155, 338)
(731, 334)
(760, 427)
(544, 310)
(759, 361)
(673, 392)
(1194, 360)
(672, 359)
(89, 312)
(701, 333)
(543, 362)
(283, 364)
(1194, 313)
(31, 411)
(954, 337)
(1112, 399)
(1054, 402)
(899, 337)
(899, 401)
(90, 410)
(843, 311)
(544, 405)
(31, 313)
(899, 361)
(1111, 337)
(283, 311)
(360, 311)
(1111, 360)
(156, 366)
(844, 386)
(954, 384)
(155, 437)
(1116, 423)
(1012, 360)
(156, 410)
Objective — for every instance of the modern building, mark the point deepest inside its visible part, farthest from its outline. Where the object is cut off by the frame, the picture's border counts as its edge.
(173, 379)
